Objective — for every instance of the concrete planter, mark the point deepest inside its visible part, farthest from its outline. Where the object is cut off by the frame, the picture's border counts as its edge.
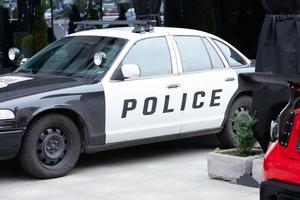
(258, 169)
(221, 165)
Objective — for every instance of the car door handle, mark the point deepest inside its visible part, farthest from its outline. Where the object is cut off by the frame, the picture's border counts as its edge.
(229, 79)
(173, 86)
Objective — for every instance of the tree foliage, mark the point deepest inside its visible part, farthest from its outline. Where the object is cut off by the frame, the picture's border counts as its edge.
(27, 46)
(93, 14)
(40, 29)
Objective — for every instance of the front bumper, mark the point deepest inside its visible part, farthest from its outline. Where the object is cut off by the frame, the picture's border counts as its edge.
(10, 143)
(270, 190)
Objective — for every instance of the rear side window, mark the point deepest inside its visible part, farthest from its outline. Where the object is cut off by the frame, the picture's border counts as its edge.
(214, 56)
(152, 56)
(232, 57)
(193, 53)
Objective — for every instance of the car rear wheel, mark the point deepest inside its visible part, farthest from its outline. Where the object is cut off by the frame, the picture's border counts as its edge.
(51, 146)
(242, 106)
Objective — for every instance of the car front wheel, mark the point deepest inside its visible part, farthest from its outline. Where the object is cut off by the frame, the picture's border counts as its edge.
(51, 146)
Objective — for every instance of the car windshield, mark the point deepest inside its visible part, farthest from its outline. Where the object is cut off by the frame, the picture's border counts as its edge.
(73, 56)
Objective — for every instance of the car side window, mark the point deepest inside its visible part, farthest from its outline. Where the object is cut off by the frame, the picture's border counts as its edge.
(232, 57)
(152, 56)
(214, 56)
(193, 53)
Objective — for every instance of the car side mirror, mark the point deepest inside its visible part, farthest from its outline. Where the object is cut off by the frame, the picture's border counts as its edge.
(14, 54)
(99, 58)
(131, 71)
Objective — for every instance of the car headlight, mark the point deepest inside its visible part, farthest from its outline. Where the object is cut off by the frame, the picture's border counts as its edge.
(6, 115)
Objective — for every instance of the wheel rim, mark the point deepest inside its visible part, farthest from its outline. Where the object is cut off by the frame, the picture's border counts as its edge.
(52, 146)
(242, 111)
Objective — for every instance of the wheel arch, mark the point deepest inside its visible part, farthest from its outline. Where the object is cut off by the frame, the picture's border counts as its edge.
(237, 95)
(245, 88)
(78, 120)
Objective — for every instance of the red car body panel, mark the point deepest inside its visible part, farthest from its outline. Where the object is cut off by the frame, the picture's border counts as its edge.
(282, 160)
(283, 163)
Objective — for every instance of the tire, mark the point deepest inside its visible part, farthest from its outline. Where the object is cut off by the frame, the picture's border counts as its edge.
(241, 106)
(50, 147)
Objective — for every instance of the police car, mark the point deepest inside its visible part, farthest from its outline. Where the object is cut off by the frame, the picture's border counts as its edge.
(103, 89)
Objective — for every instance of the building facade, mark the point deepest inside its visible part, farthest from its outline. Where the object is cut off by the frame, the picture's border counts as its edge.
(237, 21)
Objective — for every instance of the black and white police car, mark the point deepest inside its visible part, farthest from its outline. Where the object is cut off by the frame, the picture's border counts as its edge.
(103, 89)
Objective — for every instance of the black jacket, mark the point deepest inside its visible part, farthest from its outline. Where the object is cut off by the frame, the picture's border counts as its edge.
(279, 49)
(281, 6)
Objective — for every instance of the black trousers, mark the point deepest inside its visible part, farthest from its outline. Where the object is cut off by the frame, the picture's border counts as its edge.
(268, 101)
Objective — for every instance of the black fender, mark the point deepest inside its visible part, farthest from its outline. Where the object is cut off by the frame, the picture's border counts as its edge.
(86, 110)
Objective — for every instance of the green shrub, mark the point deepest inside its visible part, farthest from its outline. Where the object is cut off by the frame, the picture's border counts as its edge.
(93, 14)
(27, 46)
(40, 30)
(244, 135)
(217, 150)
(125, 5)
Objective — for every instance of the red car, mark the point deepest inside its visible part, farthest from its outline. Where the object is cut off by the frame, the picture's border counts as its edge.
(282, 160)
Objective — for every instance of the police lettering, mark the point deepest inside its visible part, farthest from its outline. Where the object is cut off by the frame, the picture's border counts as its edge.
(150, 103)
(197, 104)
(150, 106)
(129, 104)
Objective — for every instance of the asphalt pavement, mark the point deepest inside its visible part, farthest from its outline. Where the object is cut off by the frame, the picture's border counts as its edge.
(164, 171)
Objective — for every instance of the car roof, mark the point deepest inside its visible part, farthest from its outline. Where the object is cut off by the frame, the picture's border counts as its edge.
(126, 33)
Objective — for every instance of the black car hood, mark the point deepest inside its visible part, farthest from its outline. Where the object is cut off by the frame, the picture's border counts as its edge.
(16, 85)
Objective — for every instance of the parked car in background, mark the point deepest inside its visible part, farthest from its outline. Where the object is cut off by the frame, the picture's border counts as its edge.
(56, 14)
(131, 15)
(110, 9)
(111, 88)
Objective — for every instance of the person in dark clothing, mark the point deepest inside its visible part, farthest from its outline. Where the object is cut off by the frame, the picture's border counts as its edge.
(122, 13)
(122, 17)
(278, 53)
(74, 17)
(3, 50)
(51, 36)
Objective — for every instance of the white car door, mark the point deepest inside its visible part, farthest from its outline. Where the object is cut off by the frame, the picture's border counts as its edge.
(147, 106)
(207, 82)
